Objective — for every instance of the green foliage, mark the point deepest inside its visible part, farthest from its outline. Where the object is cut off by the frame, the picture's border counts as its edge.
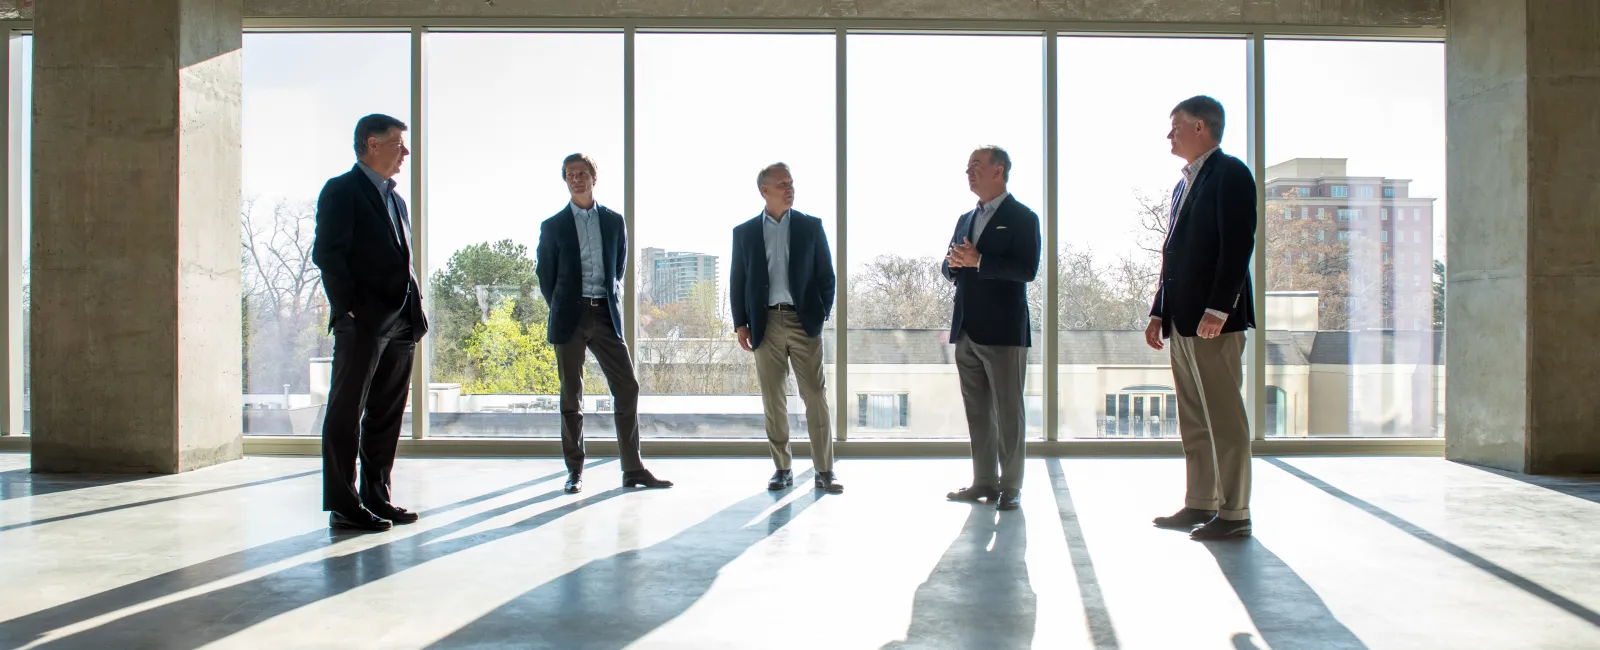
(495, 272)
(507, 357)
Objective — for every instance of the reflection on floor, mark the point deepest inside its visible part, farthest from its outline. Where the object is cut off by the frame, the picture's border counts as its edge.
(1348, 553)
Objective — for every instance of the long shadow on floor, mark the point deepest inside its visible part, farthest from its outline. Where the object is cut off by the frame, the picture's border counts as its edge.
(613, 602)
(1512, 577)
(978, 595)
(1583, 487)
(182, 631)
(1095, 611)
(21, 483)
(1287, 611)
(148, 502)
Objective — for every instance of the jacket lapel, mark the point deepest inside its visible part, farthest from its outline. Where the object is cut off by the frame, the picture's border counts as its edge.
(1188, 191)
(799, 240)
(568, 224)
(375, 200)
(608, 241)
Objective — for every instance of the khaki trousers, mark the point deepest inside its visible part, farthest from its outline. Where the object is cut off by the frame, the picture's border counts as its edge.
(784, 343)
(992, 378)
(1212, 422)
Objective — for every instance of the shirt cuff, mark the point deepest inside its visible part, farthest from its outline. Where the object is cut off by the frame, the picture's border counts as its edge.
(1219, 314)
(1155, 319)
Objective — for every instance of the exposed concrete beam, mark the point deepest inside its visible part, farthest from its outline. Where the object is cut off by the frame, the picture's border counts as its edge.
(1363, 13)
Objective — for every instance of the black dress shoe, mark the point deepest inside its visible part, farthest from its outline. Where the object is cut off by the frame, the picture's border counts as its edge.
(1010, 500)
(974, 494)
(574, 484)
(643, 478)
(1186, 519)
(395, 514)
(827, 482)
(365, 522)
(1220, 529)
(781, 479)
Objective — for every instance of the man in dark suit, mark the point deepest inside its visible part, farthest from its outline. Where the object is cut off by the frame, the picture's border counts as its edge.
(781, 292)
(993, 256)
(1204, 304)
(583, 253)
(363, 248)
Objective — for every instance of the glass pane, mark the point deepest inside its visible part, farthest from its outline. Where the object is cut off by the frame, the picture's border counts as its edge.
(497, 135)
(21, 195)
(919, 105)
(713, 110)
(1356, 330)
(299, 114)
(1116, 181)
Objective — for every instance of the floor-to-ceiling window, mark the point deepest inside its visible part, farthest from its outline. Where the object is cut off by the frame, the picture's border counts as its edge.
(303, 93)
(1116, 177)
(1354, 242)
(1352, 252)
(919, 105)
(504, 110)
(21, 198)
(712, 111)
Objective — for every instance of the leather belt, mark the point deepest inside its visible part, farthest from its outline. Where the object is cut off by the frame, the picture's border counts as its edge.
(782, 306)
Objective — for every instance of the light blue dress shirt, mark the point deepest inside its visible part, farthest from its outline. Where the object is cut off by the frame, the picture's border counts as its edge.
(386, 191)
(590, 250)
(776, 235)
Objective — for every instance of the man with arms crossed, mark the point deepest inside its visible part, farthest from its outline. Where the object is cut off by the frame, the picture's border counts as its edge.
(993, 256)
(583, 253)
(781, 292)
(1204, 304)
(363, 248)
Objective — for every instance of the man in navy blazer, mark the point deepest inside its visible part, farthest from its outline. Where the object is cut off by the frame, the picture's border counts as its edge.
(1202, 308)
(992, 257)
(583, 252)
(781, 292)
(363, 249)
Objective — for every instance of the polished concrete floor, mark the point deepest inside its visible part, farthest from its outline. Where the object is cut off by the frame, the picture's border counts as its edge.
(1348, 553)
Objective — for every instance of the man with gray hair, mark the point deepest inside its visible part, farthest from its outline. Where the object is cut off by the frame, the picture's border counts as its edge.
(781, 292)
(363, 248)
(1204, 304)
(992, 257)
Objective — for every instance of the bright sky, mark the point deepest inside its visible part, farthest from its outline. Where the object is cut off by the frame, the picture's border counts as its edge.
(713, 109)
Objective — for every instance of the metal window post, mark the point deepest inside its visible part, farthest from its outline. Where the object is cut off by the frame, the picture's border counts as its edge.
(422, 358)
(841, 248)
(1052, 215)
(1256, 352)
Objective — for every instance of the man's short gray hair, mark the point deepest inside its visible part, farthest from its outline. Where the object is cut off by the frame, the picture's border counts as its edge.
(766, 172)
(1205, 109)
(998, 156)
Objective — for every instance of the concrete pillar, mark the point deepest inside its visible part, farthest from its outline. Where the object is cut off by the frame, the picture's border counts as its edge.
(1524, 237)
(136, 181)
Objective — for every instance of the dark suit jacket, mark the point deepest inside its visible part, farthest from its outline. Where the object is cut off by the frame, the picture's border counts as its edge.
(992, 300)
(560, 269)
(811, 280)
(366, 270)
(1205, 263)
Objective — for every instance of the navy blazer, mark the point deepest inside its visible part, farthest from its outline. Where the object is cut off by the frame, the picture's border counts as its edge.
(811, 280)
(559, 264)
(1205, 263)
(992, 300)
(365, 265)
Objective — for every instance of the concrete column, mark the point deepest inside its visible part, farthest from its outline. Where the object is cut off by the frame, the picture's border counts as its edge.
(135, 312)
(1524, 237)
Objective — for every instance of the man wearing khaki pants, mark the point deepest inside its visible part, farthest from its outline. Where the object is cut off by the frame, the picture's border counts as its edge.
(781, 293)
(1204, 304)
